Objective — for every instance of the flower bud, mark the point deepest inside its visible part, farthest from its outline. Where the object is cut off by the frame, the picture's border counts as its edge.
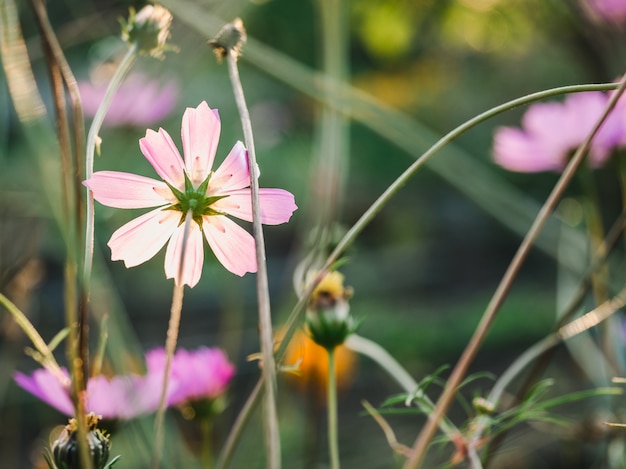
(328, 312)
(65, 449)
(149, 29)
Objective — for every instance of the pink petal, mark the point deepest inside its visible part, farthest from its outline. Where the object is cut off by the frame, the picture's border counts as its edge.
(233, 173)
(516, 151)
(160, 151)
(125, 190)
(45, 386)
(107, 397)
(232, 245)
(200, 133)
(277, 205)
(141, 238)
(194, 255)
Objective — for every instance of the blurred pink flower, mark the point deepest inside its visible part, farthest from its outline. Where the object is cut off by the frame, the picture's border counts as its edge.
(613, 11)
(551, 132)
(201, 374)
(120, 397)
(140, 101)
(190, 188)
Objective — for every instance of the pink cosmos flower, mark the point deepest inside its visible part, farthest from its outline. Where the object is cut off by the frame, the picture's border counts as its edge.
(552, 131)
(189, 188)
(139, 101)
(120, 397)
(201, 374)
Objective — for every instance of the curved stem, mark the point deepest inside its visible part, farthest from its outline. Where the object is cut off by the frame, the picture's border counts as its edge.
(240, 422)
(387, 362)
(333, 443)
(423, 440)
(92, 138)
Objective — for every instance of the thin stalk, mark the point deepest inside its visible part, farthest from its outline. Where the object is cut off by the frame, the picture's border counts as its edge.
(75, 315)
(333, 441)
(92, 141)
(271, 432)
(423, 440)
(242, 419)
(388, 363)
(170, 347)
(206, 445)
(49, 362)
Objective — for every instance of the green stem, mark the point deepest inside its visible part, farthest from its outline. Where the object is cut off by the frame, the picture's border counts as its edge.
(206, 445)
(387, 362)
(272, 437)
(240, 422)
(92, 138)
(333, 442)
(40, 345)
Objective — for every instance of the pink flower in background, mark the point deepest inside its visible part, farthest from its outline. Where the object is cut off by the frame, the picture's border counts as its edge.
(189, 188)
(551, 132)
(140, 101)
(201, 374)
(613, 11)
(120, 397)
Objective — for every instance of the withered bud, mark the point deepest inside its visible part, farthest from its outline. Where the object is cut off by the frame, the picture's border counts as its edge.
(231, 37)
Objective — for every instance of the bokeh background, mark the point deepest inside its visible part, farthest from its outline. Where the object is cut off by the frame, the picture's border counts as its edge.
(422, 271)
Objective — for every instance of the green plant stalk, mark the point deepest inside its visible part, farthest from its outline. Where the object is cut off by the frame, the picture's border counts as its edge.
(331, 162)
(333, 441)
(423, 440)
(387, 362)
(49, 362)
(92, 142)
(271, 433)
(206, 447)
(228, 449)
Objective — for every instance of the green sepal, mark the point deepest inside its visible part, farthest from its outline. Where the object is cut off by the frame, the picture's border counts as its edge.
(178, 194)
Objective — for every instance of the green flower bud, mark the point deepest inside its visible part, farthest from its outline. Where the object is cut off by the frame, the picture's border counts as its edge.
(65, 452)
(149, 29)
(328, 313)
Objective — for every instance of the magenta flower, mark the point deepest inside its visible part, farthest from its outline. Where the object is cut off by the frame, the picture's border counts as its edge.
(201, 374)
(551, 132)
(120, 397)
(139, 101)
(189, 188)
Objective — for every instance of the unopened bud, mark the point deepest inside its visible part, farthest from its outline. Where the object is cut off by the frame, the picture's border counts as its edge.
(65, 449)
(328, 312)
(149, 29)
(231, 37)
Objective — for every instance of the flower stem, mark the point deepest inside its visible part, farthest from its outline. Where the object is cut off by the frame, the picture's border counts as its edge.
(333, 443)
(388, 363)
(272, 438)
(423, 440)
(170, 347)
(92, 138)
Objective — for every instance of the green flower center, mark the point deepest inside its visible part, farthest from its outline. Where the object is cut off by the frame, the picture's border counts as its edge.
(194, 200)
